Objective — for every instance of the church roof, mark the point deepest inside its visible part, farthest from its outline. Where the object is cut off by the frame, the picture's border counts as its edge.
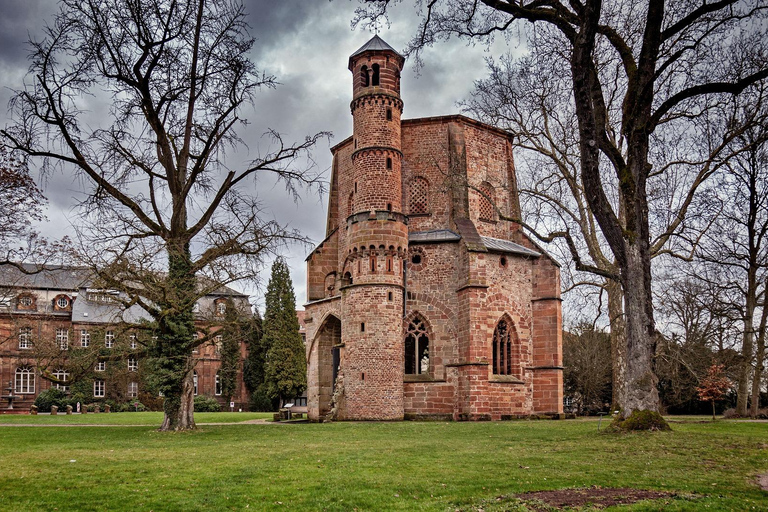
(374, 44)
(437, 235)
(498, 245)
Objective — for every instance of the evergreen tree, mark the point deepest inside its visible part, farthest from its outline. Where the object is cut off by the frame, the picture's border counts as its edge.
(286, 365)
(235, 332)
(254, 368)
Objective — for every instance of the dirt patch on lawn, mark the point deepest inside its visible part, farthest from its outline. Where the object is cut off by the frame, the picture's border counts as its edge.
(598, 497)
(762, 481)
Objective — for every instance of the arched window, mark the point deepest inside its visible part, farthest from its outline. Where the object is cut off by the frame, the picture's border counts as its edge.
(25, 380)
(376, 74)
(218, 384)
(505, 360)
(364, 78)
(63, 376)
(419, 197)
(487, 202)
(194, 381)
(416, 347)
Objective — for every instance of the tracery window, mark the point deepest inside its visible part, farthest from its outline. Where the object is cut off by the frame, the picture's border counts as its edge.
(417, 347)
(25, 380)
(419, 199)
(504, 362)
(487, 202)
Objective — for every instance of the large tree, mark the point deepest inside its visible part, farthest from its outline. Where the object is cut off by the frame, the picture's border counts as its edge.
(674, 61)
(285, 372)
(164, 207)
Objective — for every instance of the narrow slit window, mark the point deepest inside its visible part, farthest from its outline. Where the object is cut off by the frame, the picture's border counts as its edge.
(389, 163)
(389, 114)
(376, 75)
(364, 77)
(362, 327)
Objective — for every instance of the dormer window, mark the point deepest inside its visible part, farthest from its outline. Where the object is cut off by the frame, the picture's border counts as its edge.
(364, 78)
(25, 301)
(375, 79)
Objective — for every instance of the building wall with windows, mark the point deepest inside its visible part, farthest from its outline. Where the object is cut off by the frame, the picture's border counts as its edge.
(51, 323)
(422, 300)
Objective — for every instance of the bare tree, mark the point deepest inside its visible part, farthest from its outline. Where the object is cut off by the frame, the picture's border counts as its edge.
(164, 207)
(673, 62)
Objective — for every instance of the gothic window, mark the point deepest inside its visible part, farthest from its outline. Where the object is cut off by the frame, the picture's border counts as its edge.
(487, 202)
(364, 78)
(63, 376)
(416, 348)
(25, 337)
(419, 196)
(25, 381)
(376, 74)
(504, 362)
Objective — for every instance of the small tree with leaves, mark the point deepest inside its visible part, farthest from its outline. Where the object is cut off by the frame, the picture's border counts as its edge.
(286, 364)
(714, 386)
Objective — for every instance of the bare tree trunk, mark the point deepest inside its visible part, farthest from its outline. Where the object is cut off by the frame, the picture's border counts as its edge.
(760, 356)
(640, 391)
(748, 344)
(618, 341)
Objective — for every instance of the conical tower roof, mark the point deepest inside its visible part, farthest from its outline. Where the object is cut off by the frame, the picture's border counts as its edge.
(374, 44)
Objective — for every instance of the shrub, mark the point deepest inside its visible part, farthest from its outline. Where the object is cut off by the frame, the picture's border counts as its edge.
(642, 420)
(50, 397)
(730, 414)
(762, 414)
(206, 404)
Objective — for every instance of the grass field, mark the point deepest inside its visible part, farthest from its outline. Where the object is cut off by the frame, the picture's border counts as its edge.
(371, 466)
(126, 418)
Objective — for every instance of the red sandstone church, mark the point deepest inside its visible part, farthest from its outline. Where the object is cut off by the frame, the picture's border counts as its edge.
(421, 301)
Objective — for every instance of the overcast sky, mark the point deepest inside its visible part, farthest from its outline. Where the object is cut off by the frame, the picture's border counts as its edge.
(305, 44)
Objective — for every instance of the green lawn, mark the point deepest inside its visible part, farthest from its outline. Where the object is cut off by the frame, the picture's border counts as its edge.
(373, 466)
(126, 418)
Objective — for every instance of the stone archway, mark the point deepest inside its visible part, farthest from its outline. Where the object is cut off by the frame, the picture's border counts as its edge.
(328, 339)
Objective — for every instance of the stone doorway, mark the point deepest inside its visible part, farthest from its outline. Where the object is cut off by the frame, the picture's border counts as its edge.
(328, 341)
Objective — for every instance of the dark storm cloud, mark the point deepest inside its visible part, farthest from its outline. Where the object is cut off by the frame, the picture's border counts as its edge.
(305, 44)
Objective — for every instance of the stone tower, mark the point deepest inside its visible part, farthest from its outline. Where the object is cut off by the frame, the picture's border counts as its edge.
(371, 362)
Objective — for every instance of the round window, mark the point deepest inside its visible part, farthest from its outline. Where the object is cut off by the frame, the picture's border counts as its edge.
(25, 301)
(416, 259)
(62, 302)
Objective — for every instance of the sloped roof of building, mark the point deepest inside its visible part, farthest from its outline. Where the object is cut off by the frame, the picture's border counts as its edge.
(375, 44)
(46, 277)
(434, 236)
(499, 245)
(84, 310)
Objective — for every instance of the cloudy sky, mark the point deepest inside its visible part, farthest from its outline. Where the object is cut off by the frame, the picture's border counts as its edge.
(305, 44)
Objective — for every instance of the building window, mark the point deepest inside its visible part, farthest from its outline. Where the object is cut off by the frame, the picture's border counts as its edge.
(389, 163)
(217, 341)
(487, 202)
(389, 114)
(85, 338)
(98, 388)
(101, 366)
(504, 361)
(62, 302)
(419, 196)
(133, 389)
(109, 339)
(416, 348)
(25, 381)
(218, 384)
(221, 307)
(63, 376)
(376, 74)
(133, 364)
(25, 301)
(364, 77)
(194, 381)
(25, 338)
(134, 343)
(62, 338)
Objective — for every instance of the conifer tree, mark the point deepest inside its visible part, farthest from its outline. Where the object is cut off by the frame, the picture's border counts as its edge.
(235, 332)
(286, 365)
(253, 367)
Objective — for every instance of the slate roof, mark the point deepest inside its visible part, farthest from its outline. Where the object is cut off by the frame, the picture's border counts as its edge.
(49, 278)
(84, 310)
(435, 236)
(498, 245)
(375, 44)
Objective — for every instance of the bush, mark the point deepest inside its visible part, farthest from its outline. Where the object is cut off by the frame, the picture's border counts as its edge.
(132, 406)
(50, 397)
(206, 404)
(641, 420)
(730, 414)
